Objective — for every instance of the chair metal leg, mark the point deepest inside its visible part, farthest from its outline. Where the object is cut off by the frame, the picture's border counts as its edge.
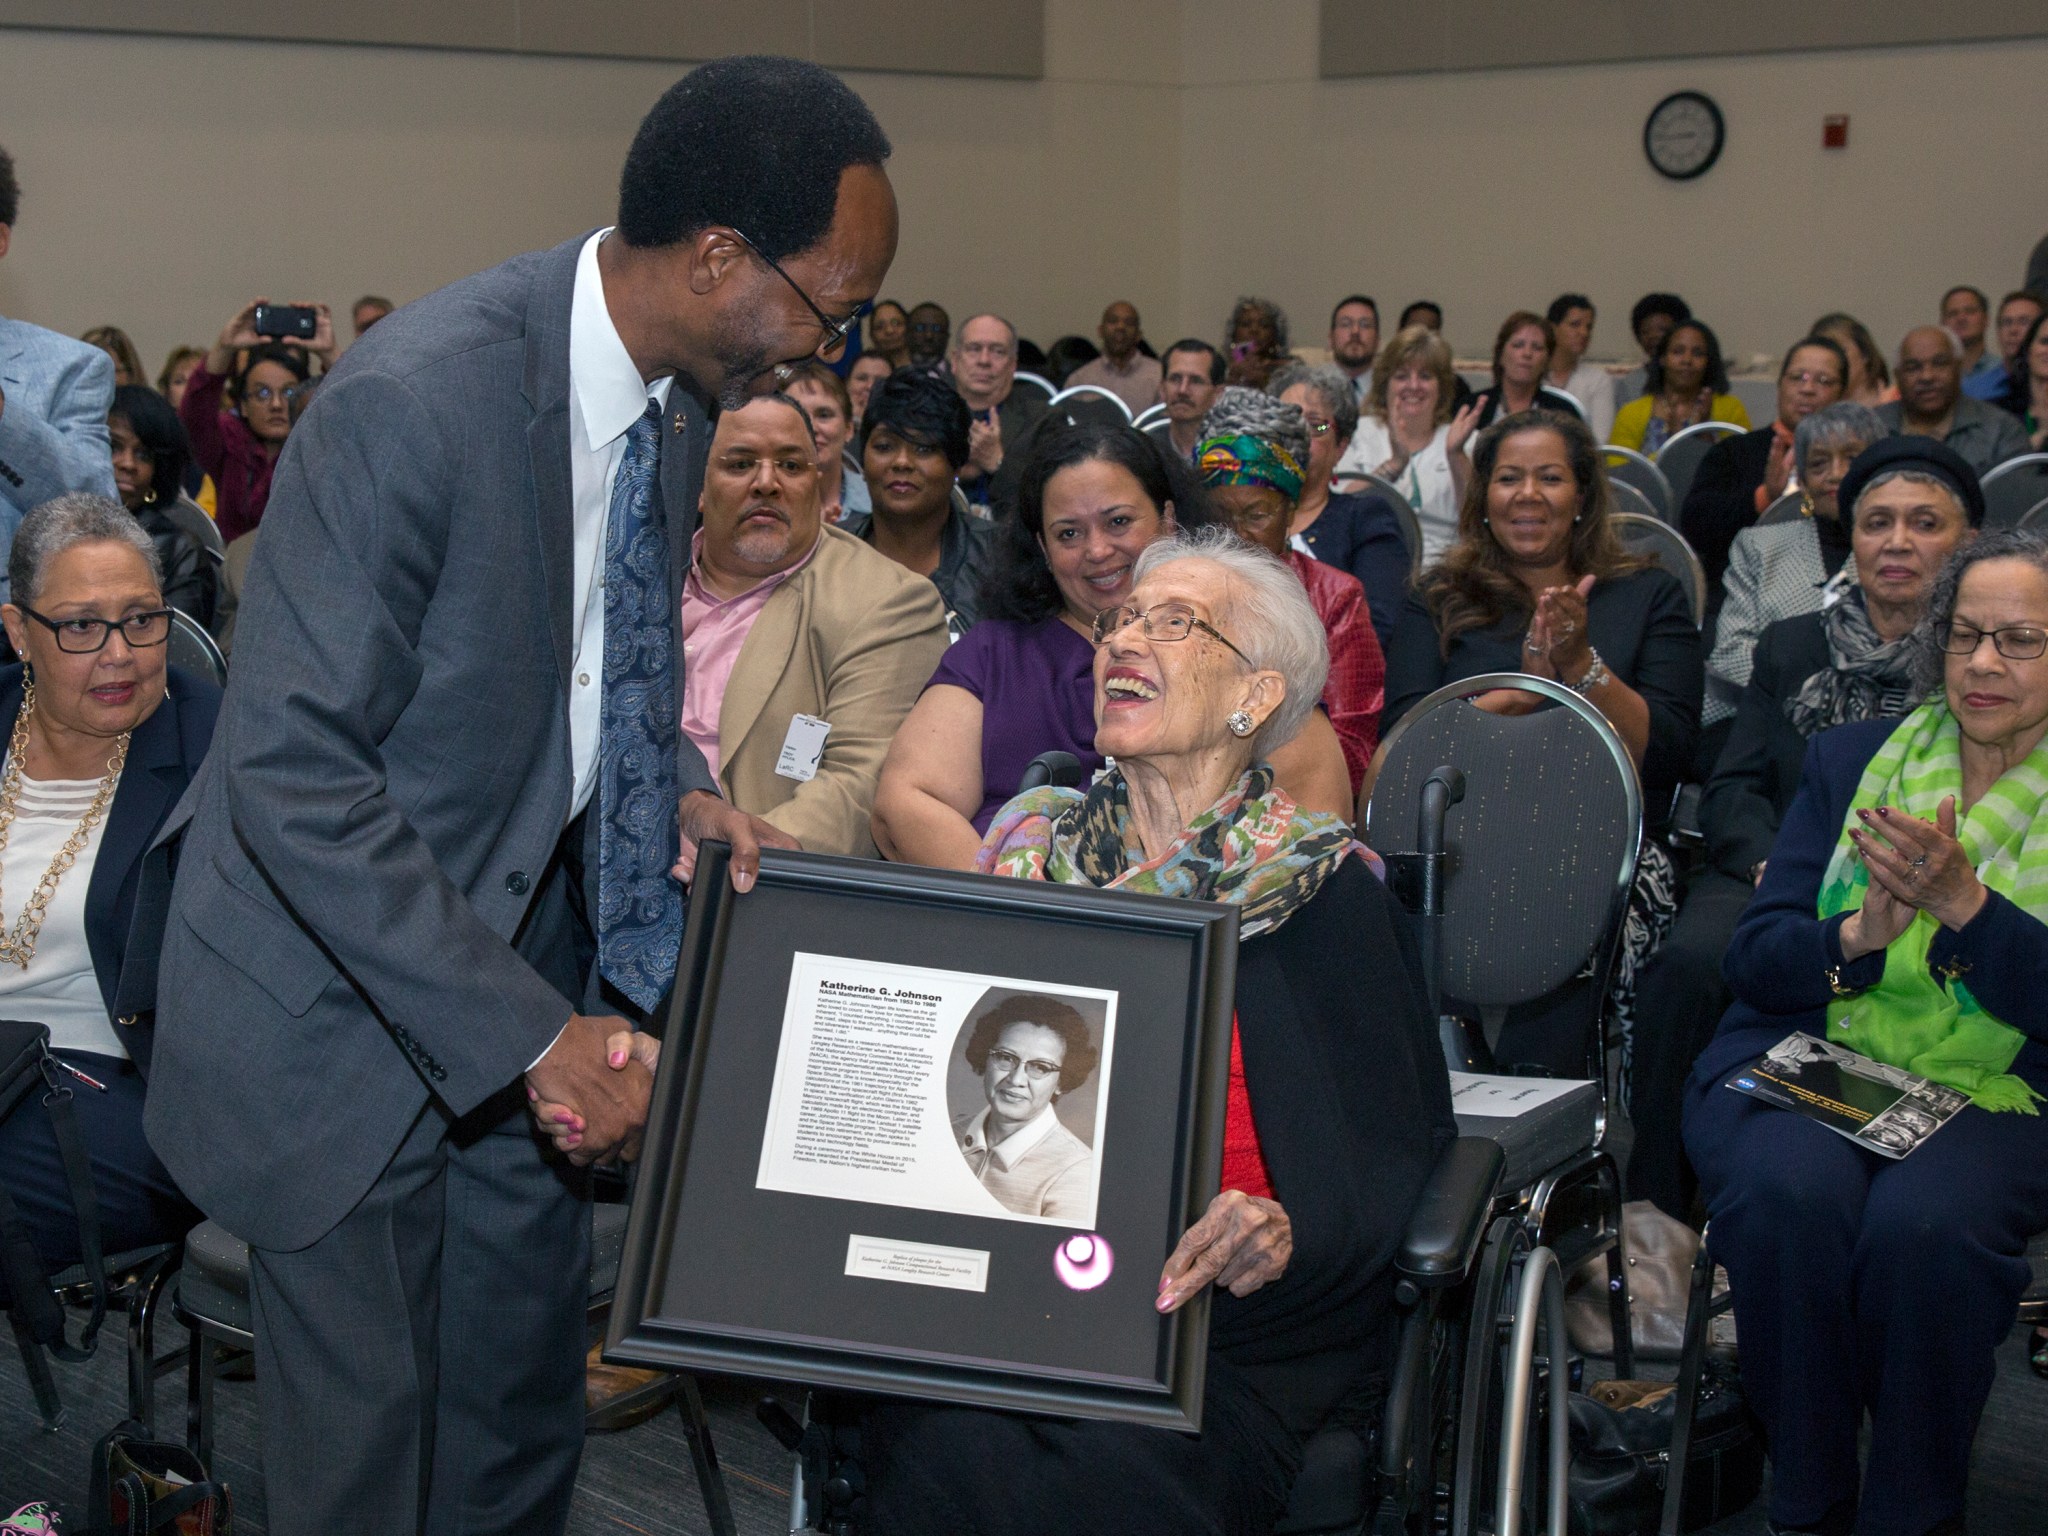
(49, 1407)
(1691, 1366)
(143, 1300)
(704, 1456)
(1539, 1303)
(200, 1364)
(1617, 1272)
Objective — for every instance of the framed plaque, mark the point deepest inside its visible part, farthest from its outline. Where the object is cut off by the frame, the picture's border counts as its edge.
(933, 1134)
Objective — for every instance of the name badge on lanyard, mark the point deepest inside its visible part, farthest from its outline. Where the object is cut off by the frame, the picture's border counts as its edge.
(802, 748)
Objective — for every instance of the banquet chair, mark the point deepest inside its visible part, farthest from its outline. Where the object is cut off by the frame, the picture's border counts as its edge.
(192, 648)
(1788, 508)
(1680, 456)
(1627, 467)
(2015, 490)
(1666, 548)
(1364, 484)
(1090, 405)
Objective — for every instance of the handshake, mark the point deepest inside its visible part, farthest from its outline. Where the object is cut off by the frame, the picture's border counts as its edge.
(589, 1094)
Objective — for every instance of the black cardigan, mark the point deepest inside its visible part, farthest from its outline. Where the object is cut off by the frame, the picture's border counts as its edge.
(1754, 781)
(1722, 501)
(163, 756)
(1352, 1105)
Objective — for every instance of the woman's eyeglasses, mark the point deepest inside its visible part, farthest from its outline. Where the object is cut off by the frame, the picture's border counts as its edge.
(83, 636)
(2015, 642)
(1162, 621)
(1006, 1062)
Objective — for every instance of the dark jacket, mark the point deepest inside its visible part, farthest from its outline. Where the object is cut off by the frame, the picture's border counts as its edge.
(1722, 501)
(964, 554)
(1778, 964)
(1758, 772)
(1362, 535)
(1547, 399)
(191, 575)
(163, 755)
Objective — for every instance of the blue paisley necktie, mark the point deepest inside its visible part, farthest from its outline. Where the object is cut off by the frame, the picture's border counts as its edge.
(639, 907)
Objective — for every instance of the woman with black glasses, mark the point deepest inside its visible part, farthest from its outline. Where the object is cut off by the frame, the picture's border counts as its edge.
(103, 738)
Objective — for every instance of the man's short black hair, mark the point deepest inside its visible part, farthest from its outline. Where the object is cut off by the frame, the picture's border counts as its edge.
(1658, 304)
(754, 143)
(1564, 304)
(1217, 367)
(1431, 305)
(1354, 298)
(1972, 290)
(921, 405)
(10, 190)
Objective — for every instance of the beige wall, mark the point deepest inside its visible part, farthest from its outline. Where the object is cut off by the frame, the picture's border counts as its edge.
(1174, 154)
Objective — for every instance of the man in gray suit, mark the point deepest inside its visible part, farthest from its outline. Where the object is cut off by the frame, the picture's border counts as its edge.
(54, 397)
(427, 865)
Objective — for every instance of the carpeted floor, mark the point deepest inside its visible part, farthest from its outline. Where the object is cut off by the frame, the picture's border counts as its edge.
(640, 1481)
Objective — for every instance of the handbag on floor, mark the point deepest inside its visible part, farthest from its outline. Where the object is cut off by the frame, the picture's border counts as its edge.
(141, 1486)
(1621, 1455)
(1659, 1253)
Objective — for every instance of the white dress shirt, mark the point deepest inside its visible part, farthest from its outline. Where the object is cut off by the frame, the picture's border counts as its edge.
(606, 396)
(1427, 480)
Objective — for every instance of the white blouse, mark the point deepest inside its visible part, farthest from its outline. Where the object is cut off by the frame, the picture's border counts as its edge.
(1426, 482)
(58, 987)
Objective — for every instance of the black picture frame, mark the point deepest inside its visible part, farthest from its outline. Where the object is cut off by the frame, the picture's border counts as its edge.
(720, 1276)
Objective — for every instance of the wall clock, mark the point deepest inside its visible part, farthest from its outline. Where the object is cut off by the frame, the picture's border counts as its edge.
(1684, 135)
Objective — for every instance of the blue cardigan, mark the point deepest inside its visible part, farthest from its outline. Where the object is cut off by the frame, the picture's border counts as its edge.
(1777, 965)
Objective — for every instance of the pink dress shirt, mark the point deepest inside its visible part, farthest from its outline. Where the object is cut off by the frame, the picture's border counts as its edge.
(714, 630)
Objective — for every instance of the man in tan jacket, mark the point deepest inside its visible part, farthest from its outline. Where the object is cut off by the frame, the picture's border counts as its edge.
(805, 648)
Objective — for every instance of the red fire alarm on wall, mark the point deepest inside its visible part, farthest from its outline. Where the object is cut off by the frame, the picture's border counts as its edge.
(1834, 131)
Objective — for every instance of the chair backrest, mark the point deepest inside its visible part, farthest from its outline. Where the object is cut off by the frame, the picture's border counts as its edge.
(2036, 517)
(1680, 456)
(190, 517)
(1150, 416)
(1630, 499)
(1038, 382)
(1788, 508)
(1627, 467)
(850, 464)
(192, 648)
(2014, 489)
(1084, 404)
(1665, 547)
(1541, 850)
(1362, 483)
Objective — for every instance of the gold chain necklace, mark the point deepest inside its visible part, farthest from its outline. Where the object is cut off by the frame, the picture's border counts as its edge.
(17, 947)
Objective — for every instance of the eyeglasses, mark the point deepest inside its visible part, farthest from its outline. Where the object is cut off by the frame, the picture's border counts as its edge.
(263, 394)
(1006, 1062)
(2016, 642)
(1319, 428)
(1163, 621)
(835, 330)
(1822, 380)
(81, 637)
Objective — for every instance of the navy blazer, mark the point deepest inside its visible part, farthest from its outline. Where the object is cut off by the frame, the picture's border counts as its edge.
(1777, 966)
(163, 755)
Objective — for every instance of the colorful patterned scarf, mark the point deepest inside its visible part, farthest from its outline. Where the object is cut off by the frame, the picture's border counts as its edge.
(1909, 1019)
(1254, 847)
(1242, 459)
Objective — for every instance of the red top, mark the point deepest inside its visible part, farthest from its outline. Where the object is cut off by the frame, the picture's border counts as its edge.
(226, 449)
(1244, 1165)
(1356, 693)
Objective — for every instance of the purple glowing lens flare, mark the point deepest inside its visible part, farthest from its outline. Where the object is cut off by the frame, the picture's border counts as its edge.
(1083, 1261)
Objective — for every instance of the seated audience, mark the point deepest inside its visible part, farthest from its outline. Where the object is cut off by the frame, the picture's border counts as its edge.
(2017, 312)
(784, 617)
(1252, 456)
(1354, 342)
(1426, 313)
(150, 453)
(177, 372)
(984, 363)
(1123, 369)
(1589, 384)
(913, 441)
(1966, 315)
(1900, 915)
(1538, 582)
(1915, 504)
(113, 341)
(928, 330)
(1521, 356)
(1255, 342)
(1191, 373)
(1870, 379)
(1740, 476)
(1687, 383)
(1932, 404)
(237, 445)
(2028, 398)
(861, 376)
(1360, 534)
(1782, 570)
(889, 334)
(103, 739)
(1411, 436)
(828, 401)
(1068, 355)
(367, 311)
(1089, 500)
(1649, 322)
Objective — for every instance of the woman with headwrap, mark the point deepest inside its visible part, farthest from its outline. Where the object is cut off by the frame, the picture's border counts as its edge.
(1903, 913)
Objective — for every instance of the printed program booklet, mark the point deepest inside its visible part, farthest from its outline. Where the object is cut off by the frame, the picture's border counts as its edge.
(1887, 1109)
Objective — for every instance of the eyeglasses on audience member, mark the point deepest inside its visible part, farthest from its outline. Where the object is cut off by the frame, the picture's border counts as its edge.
(2015, 642)
(82, 636)
(1162, 621)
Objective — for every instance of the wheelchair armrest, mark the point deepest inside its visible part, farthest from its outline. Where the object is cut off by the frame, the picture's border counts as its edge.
(1450, 1216)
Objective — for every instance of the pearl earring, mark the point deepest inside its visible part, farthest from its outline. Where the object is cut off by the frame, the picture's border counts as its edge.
(1240, 723)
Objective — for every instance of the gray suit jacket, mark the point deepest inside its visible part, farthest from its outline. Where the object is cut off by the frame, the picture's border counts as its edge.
(53, 427)
(391, 772)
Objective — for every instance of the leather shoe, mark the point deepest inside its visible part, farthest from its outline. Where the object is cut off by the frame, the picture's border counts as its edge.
(620, 1396)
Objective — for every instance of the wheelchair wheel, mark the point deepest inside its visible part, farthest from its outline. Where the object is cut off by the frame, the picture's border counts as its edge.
(1482, 1395)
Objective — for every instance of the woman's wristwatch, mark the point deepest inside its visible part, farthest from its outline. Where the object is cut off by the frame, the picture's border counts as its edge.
(1596, 675)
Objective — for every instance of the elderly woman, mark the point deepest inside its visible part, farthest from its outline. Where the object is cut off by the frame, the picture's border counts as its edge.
(1338, 1103)
(1901, 914)
(1251, 456)
(1686, 383)
(238, 446)
(1029, 1052)
(1777, 571)
(150, 455)
(1412, 434)
(1255, 342)
(1914, 504)
(1360, 534)
(1021, 682)
(102, 740)
(1521, 356)
(1538, 582)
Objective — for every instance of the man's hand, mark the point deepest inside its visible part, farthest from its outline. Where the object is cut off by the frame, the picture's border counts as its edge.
(610, 1103)
(562, 1124)
(705, 817)
(984, 445)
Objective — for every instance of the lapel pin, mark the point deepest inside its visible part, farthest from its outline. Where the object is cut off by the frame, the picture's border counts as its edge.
(679, 423)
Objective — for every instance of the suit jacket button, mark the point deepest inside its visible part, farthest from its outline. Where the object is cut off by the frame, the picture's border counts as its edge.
(127, 1019)
(517, 883)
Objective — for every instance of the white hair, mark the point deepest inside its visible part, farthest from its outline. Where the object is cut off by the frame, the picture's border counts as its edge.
(1271, 620)
(76, 517)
